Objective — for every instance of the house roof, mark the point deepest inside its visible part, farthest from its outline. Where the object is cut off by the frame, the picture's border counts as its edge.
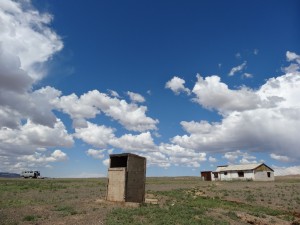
(240, 167)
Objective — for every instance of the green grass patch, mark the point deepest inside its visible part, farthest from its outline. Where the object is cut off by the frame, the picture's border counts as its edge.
(24, 185)
(232, 215)
(30, 218)
(183, 207)
(177, 214)
(219, 203)
(66, 210)
(14, 203)
(172, 180)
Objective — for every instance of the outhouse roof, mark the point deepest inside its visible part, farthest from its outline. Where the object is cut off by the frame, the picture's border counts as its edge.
(124, 155)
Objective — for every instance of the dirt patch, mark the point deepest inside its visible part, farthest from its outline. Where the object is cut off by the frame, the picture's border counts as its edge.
(266, 220)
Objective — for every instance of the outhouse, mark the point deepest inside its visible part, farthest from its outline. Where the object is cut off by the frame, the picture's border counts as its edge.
(126, 178)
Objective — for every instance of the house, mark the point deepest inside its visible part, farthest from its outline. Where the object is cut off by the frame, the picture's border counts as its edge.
(256, 172)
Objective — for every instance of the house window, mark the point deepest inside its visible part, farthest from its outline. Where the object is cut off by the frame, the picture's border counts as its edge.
(215, 175)
(269, 174)
(225, 173)
(241, 174)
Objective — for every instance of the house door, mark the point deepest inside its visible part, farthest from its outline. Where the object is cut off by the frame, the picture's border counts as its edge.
(116, 185)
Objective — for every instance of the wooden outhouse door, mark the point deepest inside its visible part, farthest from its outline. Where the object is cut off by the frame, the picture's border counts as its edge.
(116, 184)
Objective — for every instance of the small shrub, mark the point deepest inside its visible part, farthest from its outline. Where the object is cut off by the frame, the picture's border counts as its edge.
(225, 194)
(66, 210)
(29, 218)
(288, 217)
(258, 214)
(232, 215)
(250, 198)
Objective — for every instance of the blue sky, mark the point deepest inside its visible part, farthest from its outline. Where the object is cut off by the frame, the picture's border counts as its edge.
(188, 84)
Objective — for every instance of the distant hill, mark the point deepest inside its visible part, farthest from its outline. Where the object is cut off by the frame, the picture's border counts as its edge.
(9, 175)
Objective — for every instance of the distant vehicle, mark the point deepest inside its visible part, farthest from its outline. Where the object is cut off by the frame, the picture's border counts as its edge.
(30, 174)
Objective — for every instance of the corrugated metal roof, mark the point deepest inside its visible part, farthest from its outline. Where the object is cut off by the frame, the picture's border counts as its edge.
(238, 167)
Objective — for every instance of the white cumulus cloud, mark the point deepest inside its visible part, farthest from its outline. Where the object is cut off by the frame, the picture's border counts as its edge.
(212, 159)
(97, 154)
(283, 171)
(211, 93)
(88, 105)
(27, 121)
(281, 158)
(176, 84)
(295, 65)
(38, 160)
(32, 136)
(135, 97)
(25, 33)
(237, 69)
(129, 142)
(56, 156)
(106, 162)
(262, 120)
(178, 155)
(95, 135)
(292, 56)
(247, 75)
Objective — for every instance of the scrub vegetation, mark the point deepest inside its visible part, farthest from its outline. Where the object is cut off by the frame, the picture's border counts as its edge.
(180, 200)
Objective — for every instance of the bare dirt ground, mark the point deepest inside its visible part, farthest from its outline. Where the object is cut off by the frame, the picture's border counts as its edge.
(53, 201)
(283, 195)
(80, 201)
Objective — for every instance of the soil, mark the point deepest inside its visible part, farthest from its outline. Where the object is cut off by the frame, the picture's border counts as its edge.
(82, 201)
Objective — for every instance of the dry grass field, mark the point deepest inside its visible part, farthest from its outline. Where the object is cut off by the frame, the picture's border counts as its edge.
(181, 200)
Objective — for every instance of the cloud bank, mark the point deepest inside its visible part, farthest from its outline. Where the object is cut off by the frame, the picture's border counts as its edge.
(28, 122)
(262, 120)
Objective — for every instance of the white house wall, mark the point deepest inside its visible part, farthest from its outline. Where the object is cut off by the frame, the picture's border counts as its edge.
(213, 177)
(233, 175)
(263, 176)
